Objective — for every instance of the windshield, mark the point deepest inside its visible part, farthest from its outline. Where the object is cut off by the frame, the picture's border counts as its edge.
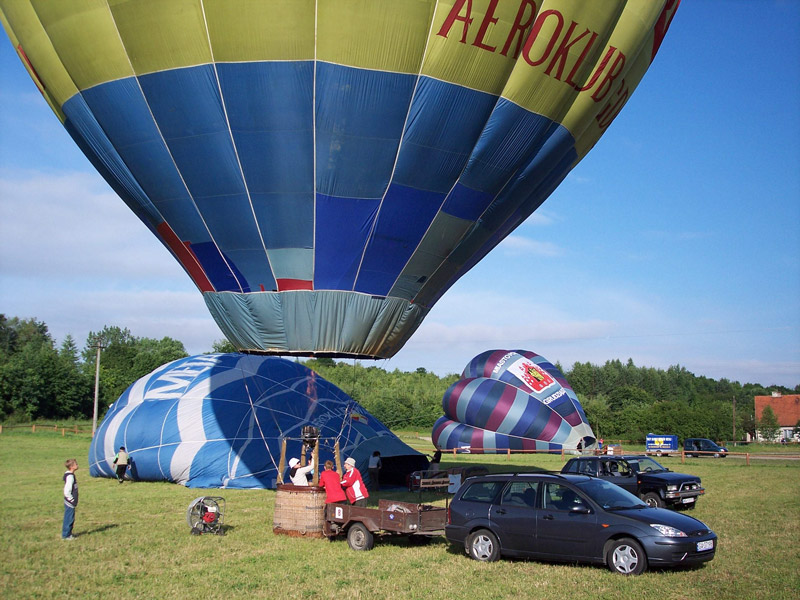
(645, 465)
(609, 496)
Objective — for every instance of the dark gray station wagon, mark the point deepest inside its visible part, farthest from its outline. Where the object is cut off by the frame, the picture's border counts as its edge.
(572, 518)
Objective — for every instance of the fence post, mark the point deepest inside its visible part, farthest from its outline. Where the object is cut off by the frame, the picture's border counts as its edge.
(747, 457)
(33, 428)
(508, 453)
(63, 431)
(683, 456)
(76, 429)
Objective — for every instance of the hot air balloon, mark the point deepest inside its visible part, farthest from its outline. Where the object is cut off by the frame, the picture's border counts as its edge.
(512, 400)
(218, 421)
(324, 170)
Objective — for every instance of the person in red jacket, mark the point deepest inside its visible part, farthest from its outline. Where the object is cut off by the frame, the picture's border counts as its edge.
(353, 484)
(329, 479)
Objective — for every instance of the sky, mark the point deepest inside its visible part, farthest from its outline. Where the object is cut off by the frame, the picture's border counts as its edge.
(676, 241)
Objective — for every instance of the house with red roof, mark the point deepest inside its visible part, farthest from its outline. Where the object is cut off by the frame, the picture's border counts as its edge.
(786, 409)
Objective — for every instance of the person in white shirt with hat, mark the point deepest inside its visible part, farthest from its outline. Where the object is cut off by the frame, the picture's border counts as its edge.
(298, 474)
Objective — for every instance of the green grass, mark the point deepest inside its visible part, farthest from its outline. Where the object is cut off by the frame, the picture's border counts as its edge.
(133, 541)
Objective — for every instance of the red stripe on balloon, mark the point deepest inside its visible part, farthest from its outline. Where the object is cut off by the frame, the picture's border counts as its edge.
(186, 257)
(294, 284)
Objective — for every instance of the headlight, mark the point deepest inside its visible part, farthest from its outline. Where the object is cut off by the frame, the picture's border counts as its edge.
(667, 531)
(672, 488)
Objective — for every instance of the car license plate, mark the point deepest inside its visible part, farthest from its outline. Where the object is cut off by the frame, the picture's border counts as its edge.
(687, 500)
(707, 545)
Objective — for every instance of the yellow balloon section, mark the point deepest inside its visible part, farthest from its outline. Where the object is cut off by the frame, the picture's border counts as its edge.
(325, 170)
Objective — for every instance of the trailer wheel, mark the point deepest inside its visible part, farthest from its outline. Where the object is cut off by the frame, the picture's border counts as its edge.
(359, 537)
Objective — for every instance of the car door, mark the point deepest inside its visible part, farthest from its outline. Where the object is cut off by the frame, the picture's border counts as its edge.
(618, 472)
(514, 517)
(562, 530)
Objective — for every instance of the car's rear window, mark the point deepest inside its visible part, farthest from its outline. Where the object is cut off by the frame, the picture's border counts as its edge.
(482, 491)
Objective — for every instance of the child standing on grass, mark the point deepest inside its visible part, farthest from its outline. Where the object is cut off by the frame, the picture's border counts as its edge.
(70, 498)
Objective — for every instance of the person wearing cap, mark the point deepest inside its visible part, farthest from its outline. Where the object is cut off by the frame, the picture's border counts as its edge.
(298, 474)
(329, 479)
(353, 484)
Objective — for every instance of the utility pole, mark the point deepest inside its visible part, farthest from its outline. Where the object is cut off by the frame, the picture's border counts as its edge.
(734, 418)
(99, 347)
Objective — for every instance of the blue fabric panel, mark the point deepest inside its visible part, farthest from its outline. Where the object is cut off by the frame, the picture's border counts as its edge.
(437, 143)
(404, 217)
(286, 220)
(223, 276)
(188, 109)
(486, 407)
(92, 140)
(359, 122)
(342, 228)
(466, 203)
(511, 136)
(522, 196)
(270, 108)
(271, 113)
(120, 109)
(211, 460)
(538, 423)
(170, 436)
(227, 214)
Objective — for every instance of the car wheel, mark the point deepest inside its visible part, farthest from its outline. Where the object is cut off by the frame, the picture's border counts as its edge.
(626, 556)
(716, 454)
(482, 545)
(653, 500)
(359, 537)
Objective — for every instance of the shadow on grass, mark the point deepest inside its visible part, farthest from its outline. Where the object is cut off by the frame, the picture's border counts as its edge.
(98, 529)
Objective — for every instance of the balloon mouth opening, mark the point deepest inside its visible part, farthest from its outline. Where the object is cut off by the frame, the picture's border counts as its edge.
(310, 354)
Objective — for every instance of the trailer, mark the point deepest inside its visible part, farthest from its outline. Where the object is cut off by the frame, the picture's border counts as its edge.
(419, 522)
(661, 445)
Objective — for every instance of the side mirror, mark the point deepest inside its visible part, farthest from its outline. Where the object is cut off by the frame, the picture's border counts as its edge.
(580, 509)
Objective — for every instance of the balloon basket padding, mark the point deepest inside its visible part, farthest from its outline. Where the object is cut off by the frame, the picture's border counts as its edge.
(299, 511)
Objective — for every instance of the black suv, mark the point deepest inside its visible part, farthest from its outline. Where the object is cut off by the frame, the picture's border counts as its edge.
(641, 475)
(572, 518)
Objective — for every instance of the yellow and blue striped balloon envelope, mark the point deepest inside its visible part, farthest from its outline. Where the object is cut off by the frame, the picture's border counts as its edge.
(324, 170)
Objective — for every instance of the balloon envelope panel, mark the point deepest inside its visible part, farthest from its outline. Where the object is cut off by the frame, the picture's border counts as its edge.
(325, 170)
(218, 420)
(511, 400)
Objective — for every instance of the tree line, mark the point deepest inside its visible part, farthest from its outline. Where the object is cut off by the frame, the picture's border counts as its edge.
(40, 380)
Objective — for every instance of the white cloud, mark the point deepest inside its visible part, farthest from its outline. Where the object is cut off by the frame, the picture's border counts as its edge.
(517, 245)
(70, 226)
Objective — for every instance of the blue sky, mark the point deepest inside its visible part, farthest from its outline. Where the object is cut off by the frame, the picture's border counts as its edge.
(675, 241)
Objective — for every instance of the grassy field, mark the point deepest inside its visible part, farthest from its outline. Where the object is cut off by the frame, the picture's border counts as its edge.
(133, 541)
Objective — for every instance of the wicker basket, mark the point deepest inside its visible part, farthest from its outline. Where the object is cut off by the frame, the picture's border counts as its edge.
(299, 511)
